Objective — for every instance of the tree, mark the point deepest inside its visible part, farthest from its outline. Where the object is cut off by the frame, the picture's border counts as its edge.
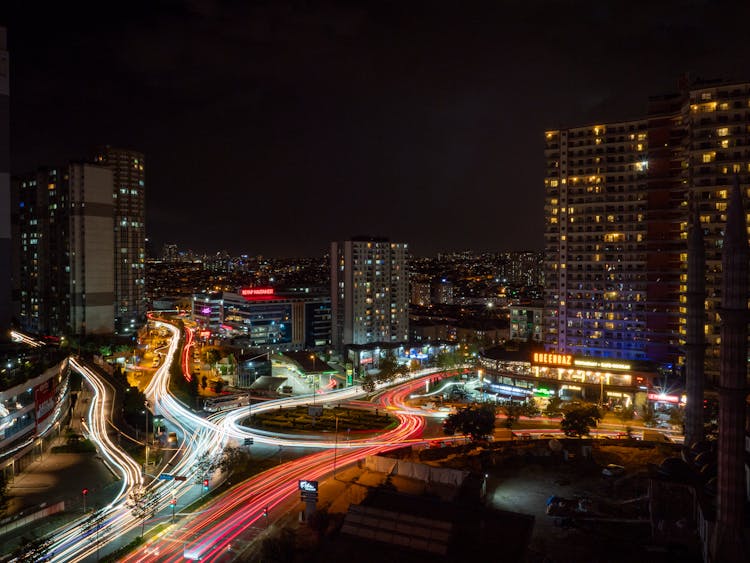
(512, 412)
(212, 356)
(626, 414)
(368, 383)
(31, 549)
(142, 503)
(648, 415)
(217, 385)
(91, 527)
(388, 368)
(554, 406)
(677, 417)
(476, 421)
(232, 458)
(578, 421)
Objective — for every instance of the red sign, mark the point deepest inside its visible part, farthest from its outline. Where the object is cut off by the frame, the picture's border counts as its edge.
(44, 399)
(660, 398)
(257, 293)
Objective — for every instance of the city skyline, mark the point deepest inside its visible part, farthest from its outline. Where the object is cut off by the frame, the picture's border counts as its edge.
(265, 125)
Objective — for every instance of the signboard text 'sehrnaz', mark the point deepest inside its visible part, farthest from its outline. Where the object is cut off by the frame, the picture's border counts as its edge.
(308, 486)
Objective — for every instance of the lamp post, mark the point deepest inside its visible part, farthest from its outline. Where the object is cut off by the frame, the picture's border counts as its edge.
(335, 445)
(601, 390)
(145, 438)
(312, 357)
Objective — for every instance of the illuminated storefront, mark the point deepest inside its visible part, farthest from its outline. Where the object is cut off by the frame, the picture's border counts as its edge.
(613, 382)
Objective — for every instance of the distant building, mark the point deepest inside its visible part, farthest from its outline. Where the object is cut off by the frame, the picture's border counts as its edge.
(526, 322)
(442, 292)
(63, 246)
(129, 197)
(369, 292)
(420, 292)
(169, 253)
(5, 223)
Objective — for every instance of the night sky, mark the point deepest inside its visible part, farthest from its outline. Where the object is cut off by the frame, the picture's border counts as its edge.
(275, 127)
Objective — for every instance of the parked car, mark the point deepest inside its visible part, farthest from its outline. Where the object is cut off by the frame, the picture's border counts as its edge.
(613, 470)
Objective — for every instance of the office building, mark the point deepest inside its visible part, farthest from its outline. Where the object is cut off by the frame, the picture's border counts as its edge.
(5, 228)
(369, 292)
(261, 317)
(128, 171)
(617, 212)
(63, 248)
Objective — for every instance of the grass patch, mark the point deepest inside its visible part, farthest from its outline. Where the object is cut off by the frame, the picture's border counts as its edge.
(298, 419)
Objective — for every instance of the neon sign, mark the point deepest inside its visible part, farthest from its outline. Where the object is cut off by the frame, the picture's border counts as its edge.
(553, 359)
(206, 311)
(256, 291)
(662, 398)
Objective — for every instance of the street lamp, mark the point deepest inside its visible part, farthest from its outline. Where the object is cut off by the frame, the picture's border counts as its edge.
(145, 437)
(312, 357)
(335, 446)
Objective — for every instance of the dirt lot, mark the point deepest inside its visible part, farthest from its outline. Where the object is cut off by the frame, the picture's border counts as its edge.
(615, 526)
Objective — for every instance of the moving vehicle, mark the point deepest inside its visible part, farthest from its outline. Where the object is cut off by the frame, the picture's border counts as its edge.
(224, 402)
(172, 438)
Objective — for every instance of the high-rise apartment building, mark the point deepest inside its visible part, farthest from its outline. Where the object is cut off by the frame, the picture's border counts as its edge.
(41, 257)
(618, 198)
(369, 292)
(5, 210)
(129, 176)
(595, 262)
(63, 250)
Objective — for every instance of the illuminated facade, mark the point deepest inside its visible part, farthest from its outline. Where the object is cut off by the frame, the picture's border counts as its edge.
(526, 322)
(616, 223)
(595, 260)
(63, 250)
(369, 292)
(263, 318)
(607, 381)
(128, 170)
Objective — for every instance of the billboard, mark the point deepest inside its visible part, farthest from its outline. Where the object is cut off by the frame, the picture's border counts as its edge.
(45, 399)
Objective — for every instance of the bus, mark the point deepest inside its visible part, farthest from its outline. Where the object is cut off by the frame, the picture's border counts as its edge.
(216, 404)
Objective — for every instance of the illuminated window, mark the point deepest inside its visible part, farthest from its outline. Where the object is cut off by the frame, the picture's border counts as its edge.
(724, 143)
(724, 106)
(709, 156)
(553, 183)
(722, 131)
(736, 167)
(639, 147)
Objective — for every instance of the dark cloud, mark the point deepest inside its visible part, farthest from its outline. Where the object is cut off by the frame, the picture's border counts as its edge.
(275, 126)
